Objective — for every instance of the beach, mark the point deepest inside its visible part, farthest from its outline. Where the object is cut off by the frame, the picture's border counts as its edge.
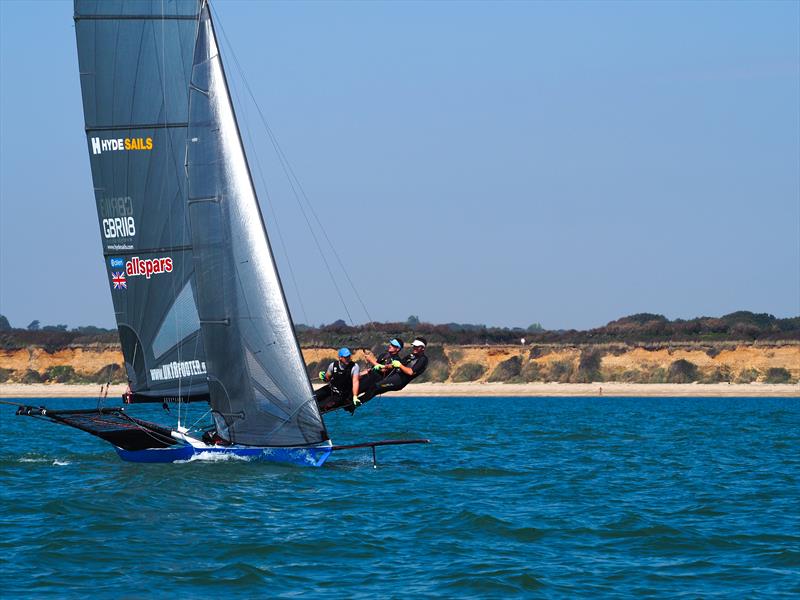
(533, 390)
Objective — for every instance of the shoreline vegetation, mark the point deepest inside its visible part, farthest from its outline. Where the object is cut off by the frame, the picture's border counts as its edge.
(739, 349)
(415, 390)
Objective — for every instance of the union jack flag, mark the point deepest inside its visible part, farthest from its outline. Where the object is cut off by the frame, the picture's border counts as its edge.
(118, 279)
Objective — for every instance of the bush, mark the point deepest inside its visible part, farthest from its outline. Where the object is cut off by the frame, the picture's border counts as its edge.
(718, 375)
(507, 370)
(469, 372)
(314, 367)
(5, 375)
(456, 355)
(60, 374)
(777, 375)
(747, 376)
(31, 376)
(589, 366)
(437, 372)
(535, 352)
(560, 371)
(682, 371)
(633, 376)
(111, 372)
(531, 371)
(438, 366)
(630, 376)
(657, 376)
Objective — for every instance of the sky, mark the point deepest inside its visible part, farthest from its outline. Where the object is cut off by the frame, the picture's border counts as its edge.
(502, 163)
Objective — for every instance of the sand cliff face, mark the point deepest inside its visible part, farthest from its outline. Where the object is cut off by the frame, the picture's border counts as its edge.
(728, 361)
(86, 361)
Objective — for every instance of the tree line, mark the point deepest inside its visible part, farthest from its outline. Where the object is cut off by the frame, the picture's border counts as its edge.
(638, 328)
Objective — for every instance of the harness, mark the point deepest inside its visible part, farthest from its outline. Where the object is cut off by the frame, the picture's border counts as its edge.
(341, 378)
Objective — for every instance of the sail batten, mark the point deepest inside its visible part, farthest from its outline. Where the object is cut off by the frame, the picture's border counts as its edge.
(135, 18)
(134, 126)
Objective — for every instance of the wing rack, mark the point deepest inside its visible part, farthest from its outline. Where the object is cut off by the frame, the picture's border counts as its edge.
(110, 424)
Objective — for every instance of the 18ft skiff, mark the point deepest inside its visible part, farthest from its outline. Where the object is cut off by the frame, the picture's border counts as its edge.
(199, 304)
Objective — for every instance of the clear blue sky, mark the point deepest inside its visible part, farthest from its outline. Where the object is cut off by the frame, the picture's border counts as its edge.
(499, 163)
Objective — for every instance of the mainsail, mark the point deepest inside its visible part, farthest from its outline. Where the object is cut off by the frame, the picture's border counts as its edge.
(260, 393)
(135, 60)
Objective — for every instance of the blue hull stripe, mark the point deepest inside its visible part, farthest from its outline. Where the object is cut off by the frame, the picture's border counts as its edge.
(305, 457)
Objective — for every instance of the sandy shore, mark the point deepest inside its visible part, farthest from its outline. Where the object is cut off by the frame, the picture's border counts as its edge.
(60, 390)
(602, 389)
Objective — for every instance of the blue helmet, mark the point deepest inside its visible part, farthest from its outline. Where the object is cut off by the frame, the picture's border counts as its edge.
(344, 352)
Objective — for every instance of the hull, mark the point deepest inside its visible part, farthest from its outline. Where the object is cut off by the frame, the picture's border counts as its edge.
(304, 457)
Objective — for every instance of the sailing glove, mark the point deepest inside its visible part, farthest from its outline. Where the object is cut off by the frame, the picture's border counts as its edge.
(397, 364)
(377, 368)
(356, 401)
(322, 375)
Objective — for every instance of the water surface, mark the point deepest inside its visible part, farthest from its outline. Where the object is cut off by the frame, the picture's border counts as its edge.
(535, 497)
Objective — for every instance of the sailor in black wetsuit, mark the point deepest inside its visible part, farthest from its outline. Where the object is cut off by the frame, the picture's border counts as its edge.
(381, 365)
(343, 385)
(403, 371)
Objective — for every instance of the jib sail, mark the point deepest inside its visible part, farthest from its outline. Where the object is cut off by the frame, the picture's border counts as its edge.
(259, 391)
(135, 61)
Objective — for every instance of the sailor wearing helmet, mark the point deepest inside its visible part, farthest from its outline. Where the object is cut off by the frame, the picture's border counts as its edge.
(343, 382)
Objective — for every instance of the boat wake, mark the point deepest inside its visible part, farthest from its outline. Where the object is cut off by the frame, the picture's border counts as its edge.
(215, 457)
(55, 462)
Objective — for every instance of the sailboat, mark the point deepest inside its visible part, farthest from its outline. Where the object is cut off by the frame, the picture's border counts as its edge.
(199, 305)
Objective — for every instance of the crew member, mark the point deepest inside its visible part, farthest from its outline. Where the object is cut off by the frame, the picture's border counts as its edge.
(402, 373)
(343, 383)
(382, 364)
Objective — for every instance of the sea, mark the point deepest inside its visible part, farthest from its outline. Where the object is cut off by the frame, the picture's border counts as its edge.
(514, 497)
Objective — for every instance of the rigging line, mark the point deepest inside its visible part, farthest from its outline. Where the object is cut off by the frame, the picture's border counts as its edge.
(133, 364)
(292, 176)
(270, 204)
(139, 426)
(285, 170)
(203, 416)
(314, 237)
(324, 232)
(290, 173)
(167, 155)
(101, 398)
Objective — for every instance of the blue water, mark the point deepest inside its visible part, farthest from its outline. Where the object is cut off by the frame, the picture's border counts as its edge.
(545, 497)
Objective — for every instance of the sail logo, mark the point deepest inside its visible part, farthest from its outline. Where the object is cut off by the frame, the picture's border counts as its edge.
(119, 227)
(148, 267)
(117, 218)
(116, 263)
(100, 145)
(119, 281)
(178, 370)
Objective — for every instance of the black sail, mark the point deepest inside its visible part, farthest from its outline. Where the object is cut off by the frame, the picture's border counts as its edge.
(135, 60)
(259, 390)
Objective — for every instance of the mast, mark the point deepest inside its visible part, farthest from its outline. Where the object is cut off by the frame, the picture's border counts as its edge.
(135, 62)
(259, 391)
